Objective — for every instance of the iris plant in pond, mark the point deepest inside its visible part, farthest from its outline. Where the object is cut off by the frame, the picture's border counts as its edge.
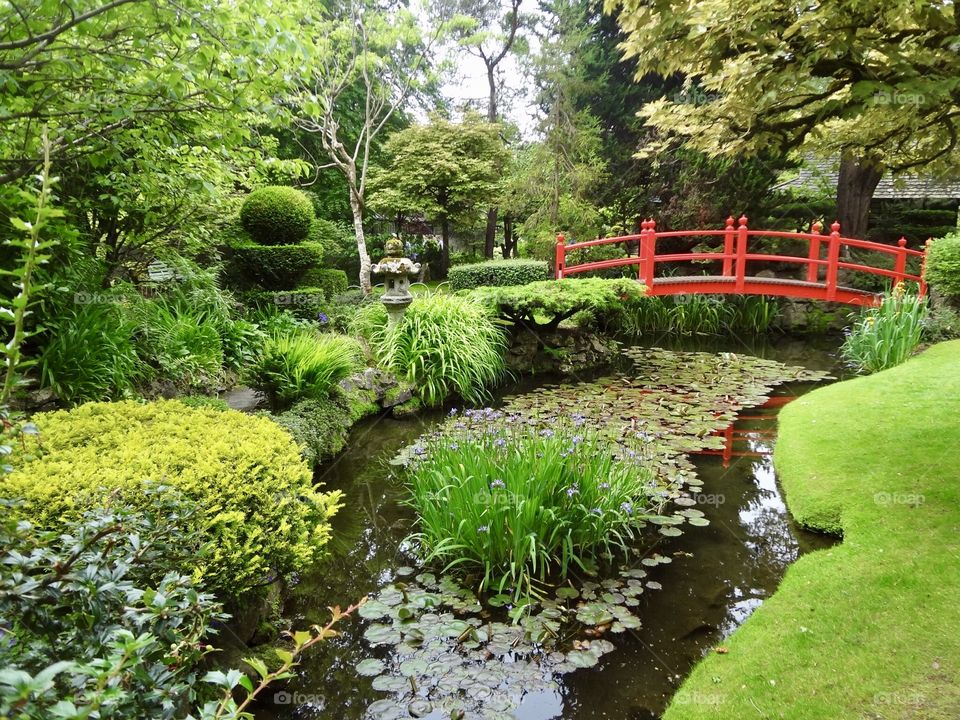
(885, 336)
(523, 505)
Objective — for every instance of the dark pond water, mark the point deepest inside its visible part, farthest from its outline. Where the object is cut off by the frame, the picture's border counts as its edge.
(718, 576)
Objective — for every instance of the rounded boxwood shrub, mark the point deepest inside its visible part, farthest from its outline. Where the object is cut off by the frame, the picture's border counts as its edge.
(277, 267)
(332, 281)
(257, 504)
(943, 266)
(497, 272)
(277, 215)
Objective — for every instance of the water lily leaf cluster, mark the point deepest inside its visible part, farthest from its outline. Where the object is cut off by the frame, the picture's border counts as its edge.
(433, 647)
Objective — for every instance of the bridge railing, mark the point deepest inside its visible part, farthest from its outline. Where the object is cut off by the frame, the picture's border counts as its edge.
(822, 261)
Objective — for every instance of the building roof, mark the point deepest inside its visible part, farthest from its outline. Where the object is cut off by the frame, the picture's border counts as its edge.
(816, 175)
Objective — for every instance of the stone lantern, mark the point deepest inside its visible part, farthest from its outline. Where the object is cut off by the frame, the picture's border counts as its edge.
(397, 271)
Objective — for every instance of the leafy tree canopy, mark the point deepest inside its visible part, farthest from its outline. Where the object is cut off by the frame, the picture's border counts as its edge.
(872, 78)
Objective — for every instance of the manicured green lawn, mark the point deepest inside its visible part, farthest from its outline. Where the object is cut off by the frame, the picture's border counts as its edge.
(870, 628)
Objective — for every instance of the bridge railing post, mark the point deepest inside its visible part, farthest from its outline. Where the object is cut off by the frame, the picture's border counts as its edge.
(561, 257)
(813, 269)
(833, 258)
(642, 251)
(648, 245)
(900, 261)
(729, 236)
(741, 254)
(923, 267)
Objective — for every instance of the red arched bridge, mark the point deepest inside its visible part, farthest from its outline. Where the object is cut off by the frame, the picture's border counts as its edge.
(818, 279)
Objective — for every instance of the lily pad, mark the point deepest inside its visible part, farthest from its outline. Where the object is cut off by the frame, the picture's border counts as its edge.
(582, 658)
(370, 667)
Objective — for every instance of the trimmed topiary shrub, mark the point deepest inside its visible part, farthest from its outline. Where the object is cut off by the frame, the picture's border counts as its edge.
(305, 303)
(497, 272)
(943, 266)
(278, 267)
(555, 300)
(255, 495)
(277, 215)
(332, 281)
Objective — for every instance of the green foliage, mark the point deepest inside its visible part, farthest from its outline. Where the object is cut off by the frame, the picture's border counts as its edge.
(278, 267)
(887, 335)
(443, 345)
(497, 272)
(330, 280)
(255, 500)
(101, 616)
(304, 365)
(943, 266)
(277, 215)
(339, 245)
(882, 93)
(556, 300)
(320, 426)
(34, 250)
(179, 341)
(595, 253)
(90, 354)
(519, 506)
(242, 342)
(444, 170)
(693, 315)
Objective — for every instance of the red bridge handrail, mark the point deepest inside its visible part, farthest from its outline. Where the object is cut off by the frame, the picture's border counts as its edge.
(736, 256)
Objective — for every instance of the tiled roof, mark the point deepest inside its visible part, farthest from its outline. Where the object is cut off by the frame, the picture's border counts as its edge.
(816, 175)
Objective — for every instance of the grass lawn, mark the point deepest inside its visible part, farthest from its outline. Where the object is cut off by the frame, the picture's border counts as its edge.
(870, 628)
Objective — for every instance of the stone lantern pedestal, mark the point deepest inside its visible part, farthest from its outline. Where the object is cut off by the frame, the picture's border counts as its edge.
(396, 271)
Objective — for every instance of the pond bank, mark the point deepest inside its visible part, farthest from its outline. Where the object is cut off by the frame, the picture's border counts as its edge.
(868, 628)
(717, 576)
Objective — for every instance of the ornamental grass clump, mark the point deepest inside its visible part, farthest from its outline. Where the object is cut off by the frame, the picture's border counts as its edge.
(887, 335)
(304, 365)
(443, 345)
(523, 505)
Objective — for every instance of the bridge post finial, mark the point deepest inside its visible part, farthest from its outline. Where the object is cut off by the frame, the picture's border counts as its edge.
(743, 221)
(560, 257)
(835, 227)
(730, 221)
(813, 267)
(902, 242)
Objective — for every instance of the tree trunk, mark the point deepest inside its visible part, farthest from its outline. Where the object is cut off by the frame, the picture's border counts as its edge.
(445, 251)
(490, 238)
(357, 208)
(856, 183)
(509, 243)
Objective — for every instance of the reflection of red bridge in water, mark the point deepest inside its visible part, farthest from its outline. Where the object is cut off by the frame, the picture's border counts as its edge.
(734, 436)
(735, 257)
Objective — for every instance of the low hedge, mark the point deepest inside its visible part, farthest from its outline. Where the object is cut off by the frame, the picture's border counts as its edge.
(257, 503)
(497, 273)
(330, 280)
(277, 267)
(943, 266)
(277, 215)
(306, 303)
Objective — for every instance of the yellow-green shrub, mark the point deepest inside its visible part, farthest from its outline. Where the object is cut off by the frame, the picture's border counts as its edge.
(245, 473)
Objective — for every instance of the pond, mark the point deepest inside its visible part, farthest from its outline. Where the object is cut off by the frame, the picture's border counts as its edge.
(708, 581)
